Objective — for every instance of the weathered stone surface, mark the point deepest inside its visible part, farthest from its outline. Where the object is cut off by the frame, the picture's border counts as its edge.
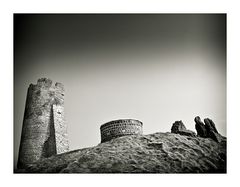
(212, 130)
(187, 133)
(153, 153)
(179, 128)
(38, 138)
(200, 127)
(215, 136)
(60, 127)
(207, 130)
(210, 126)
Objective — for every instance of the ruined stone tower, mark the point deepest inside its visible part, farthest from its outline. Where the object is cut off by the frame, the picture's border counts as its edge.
(44, 131)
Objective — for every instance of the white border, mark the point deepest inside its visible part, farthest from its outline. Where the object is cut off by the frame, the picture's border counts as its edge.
(123, 6)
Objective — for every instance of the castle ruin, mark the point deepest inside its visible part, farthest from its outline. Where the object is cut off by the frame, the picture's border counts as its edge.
(44, 131)
(121, 127)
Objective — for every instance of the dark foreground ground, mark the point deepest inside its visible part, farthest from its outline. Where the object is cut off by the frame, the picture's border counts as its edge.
(154, 153)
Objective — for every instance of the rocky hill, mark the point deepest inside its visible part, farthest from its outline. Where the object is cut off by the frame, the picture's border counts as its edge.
(181, 151)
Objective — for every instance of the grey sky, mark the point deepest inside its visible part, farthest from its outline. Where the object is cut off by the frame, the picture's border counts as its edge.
(154, 68)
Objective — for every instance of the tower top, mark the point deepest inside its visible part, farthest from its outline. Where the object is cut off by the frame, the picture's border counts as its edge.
(44, 82)
(47, 83)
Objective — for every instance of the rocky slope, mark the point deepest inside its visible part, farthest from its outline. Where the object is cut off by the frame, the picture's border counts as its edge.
(154, 153)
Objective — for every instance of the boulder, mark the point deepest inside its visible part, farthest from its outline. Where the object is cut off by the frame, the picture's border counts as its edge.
(200, 127)
(207, 130)
(212, 130)
(210, 126)
(179, 128)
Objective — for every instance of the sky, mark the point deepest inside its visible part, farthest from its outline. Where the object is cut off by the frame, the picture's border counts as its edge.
(157, 68)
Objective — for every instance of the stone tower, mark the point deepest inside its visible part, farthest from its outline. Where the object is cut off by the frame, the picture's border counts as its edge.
(44, 131)
(121, 127)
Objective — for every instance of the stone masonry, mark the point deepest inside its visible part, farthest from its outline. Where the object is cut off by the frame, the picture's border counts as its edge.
(122, 127)
(44, 131)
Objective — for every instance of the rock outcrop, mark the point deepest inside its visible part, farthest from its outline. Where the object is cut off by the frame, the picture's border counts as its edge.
(179, 128)
(210, 126)
(207, 130)
(200, 127)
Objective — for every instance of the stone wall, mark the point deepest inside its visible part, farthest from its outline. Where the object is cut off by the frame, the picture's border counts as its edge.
(60, 127)
(44, 129)
(122, 127)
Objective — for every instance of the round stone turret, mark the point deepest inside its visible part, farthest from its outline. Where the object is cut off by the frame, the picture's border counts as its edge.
(121, 127)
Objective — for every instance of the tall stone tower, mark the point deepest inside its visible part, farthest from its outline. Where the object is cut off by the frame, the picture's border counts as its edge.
(44, 131)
